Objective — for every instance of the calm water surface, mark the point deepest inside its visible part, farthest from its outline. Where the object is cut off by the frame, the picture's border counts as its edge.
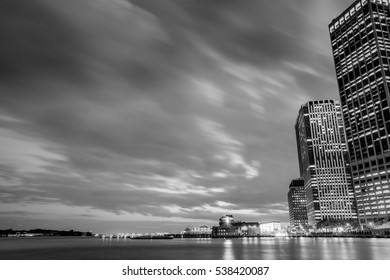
(75, 248)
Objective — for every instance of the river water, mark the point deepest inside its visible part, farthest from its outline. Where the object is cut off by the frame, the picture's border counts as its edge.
(76, 248)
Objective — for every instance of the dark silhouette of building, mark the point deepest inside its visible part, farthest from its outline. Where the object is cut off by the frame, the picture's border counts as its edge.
(323, 162)
(361, 50)
(297, 203)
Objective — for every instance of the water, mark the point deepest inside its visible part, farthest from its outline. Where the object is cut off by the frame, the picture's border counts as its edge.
(75, 248)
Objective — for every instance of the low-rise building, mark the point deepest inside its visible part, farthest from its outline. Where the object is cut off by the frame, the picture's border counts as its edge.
(270, 227)
(230, 228)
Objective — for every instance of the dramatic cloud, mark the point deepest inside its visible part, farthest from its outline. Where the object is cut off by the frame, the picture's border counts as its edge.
(155, 112)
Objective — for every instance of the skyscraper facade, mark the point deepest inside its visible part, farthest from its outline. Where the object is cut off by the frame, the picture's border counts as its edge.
(361, 49)
(323, 162)
(297, 203)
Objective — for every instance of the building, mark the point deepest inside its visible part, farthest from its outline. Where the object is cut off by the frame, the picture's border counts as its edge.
(270, 227)
(196, 231)
(361, 50)
(230, 228)
(225, 228)
(323, 162)
(297, 203)
(205, 229)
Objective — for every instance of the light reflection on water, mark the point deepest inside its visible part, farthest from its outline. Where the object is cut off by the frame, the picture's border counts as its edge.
(203, 240)
(228, 252)
(308, 248)
(213, 249)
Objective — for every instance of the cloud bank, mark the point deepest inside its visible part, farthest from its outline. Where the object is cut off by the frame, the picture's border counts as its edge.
(153, 111)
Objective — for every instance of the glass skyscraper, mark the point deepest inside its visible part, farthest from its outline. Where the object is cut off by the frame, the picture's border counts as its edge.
(361, 49)
(297, 203)
(323, 162)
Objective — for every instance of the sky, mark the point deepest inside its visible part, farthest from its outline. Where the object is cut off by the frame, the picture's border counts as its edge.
(146, 115)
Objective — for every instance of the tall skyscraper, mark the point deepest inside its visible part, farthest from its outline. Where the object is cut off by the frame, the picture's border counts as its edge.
(361, 50)
(297, 203)
(323, 162)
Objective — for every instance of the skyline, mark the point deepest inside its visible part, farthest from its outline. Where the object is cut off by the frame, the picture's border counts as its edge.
(145, 113)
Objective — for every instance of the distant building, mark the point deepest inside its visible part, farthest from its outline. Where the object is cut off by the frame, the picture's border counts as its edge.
(323, 162)
(205, 229)
(360, 39)
(196, 231)
(230, 228)
(270, 227)
(297, 203)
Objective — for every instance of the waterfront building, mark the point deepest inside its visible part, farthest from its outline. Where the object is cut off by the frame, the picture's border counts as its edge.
(297, 204)
(205, 229)
(323, 162)
(196, 230)
(248, 228)
(270, 227)
(224, 231)
(361, 50)
(230, 228)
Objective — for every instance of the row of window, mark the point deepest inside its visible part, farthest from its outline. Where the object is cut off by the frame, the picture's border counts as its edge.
(370, 213)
